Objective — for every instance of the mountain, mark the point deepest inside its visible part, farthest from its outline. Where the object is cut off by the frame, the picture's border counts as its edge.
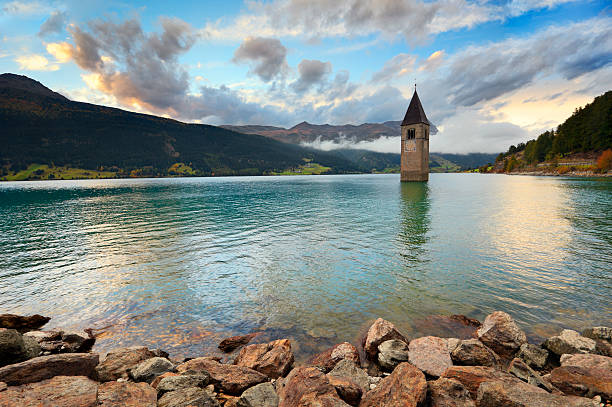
(42, 127)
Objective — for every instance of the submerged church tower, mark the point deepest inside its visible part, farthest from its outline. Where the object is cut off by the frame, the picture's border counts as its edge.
(415, 142)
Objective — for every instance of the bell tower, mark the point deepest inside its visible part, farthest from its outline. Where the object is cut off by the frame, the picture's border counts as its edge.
(415, 143)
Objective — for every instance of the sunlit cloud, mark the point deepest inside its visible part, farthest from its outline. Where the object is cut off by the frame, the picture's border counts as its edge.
(35, 63)
(61, 51)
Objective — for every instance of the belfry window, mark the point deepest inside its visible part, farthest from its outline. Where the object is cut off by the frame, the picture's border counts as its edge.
(411, 134)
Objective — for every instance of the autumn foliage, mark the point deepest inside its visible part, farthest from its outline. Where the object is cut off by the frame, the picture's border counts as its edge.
(604, 162)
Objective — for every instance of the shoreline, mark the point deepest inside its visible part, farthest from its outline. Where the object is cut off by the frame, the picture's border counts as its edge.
(488, 364)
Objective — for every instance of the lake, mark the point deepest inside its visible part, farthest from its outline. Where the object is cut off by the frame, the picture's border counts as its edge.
(181, 263)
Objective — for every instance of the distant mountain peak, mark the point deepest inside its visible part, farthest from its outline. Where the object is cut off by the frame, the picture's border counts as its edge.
(24, 83)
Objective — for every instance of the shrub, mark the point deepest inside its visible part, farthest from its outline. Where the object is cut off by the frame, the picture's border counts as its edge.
(563, 170)
(604, 162)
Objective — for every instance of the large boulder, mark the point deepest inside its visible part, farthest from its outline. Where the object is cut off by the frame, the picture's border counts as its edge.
(448, 393)
(348, 390)
(327, 360)
(230, 344)
(392, 353)
(472, 352)
(262, 395)
(569, 341)
(430, 354)
(587, 361)
(520, 369)
(230, 379)
(584, 382)
(405, 387)
(126, 394)
(117, 362)
(473, 376)
(308, 386)
(348, 369)
(22, 323)
(149, 369)
(12, 347)
(500, 333)
(273, 359)
(177, 382)
(59, 391)
(535, 356)
(603, 333)
(500, 393)
(189, 397)
(379, 332)
(46, 367)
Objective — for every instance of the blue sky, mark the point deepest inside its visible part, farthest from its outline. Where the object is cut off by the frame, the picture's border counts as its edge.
(489, 73)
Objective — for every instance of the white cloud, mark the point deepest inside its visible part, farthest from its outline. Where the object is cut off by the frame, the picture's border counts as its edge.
(35, 63)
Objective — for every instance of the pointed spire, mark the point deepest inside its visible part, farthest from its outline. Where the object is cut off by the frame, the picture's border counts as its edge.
(415, 113)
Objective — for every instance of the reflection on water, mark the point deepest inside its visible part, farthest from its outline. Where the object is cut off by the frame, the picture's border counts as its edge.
(182, 263)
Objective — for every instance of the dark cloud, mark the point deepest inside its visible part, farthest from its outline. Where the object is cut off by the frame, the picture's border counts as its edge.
(311, 72)
(54, 24)
(267, 56)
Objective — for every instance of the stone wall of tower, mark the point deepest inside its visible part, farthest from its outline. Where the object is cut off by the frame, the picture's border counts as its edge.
(415, 153)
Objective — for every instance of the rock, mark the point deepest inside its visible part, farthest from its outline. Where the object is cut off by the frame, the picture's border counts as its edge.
(379, 332)
(598, 332)
(349, 370)
(160, 353)
(452, 343)
(392, 353)
(587, 361)
(229, 344)
(473, 376)
(472, 352)
(499, 393)
(430, 354)
(21, 323)
(59, 391)
(348, 390)
(12, 347)
(162, 376)
(3, 386)
(466, 321)
(443, 326)
(177, 382)
(228, 401)
(262, 395)
(44, 336)
(520, 369)
(117, 362)
(230, 379)
(405, 387)
(327, 360)
(149, 369)
(569, 342)
(500, 333)
(126, 394)
(31, 347)
(448, 393)
(603, 348)
(308, 386)
(190, 397)
(535, 356)
(584, 382)
(273, 359)
(74, 341)
(46, 367)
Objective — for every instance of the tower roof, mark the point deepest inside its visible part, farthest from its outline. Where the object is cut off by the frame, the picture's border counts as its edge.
(415, 113)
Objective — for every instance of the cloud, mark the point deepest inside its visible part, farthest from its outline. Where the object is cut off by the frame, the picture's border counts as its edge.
(311, 72)
(433, 61)
(399, 65)
(62, 51)
(267, 57)
(35, 63)
(54, 24)
(381, 145)
(23, 7)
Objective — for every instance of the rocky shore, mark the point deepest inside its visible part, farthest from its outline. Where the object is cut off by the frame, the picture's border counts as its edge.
(495, 367)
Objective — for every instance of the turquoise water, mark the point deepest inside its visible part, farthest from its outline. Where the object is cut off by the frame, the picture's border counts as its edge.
(181, 263)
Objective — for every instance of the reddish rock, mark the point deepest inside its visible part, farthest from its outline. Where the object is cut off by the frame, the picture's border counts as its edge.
(348, 390)
(472, 352)
(473, 376)
(448, 393)
(458, 326)
(22, 323)
(584, 382)
(500, 333)
(405, 387)
(59, 391)
(308, 386)
(159, 378)
(327, 360)
(466, 321)
(273, 359)
(587, 361)
(499, 393)
(126, 394)
(229, 344)
(430, 354)
(117, 362)
(379, 332)
(230, 379)
(45, 367)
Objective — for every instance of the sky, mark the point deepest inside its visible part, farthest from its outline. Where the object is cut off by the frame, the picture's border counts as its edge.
(489, 73)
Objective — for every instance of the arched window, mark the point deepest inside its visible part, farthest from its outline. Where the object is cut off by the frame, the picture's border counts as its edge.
(411, 134)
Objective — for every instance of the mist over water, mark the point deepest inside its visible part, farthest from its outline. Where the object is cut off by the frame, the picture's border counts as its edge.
(180, 264)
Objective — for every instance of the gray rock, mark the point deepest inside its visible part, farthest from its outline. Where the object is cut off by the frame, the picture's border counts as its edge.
(44, 336)
(430, 355)
(262, 395)
(117, 362)
(535, 356)
(452, 344)
(587, 361)
(569, 342)
(500, 393)
(520, 369)
(32, 348)
(500, 333)
(392, 353)
(12, 347)
(598, 332)
(149, 369)
(448, 393)
(348, 369)
(190, 397)
(472, 352)
(46, 367)
(74, 341)
(173, 383)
